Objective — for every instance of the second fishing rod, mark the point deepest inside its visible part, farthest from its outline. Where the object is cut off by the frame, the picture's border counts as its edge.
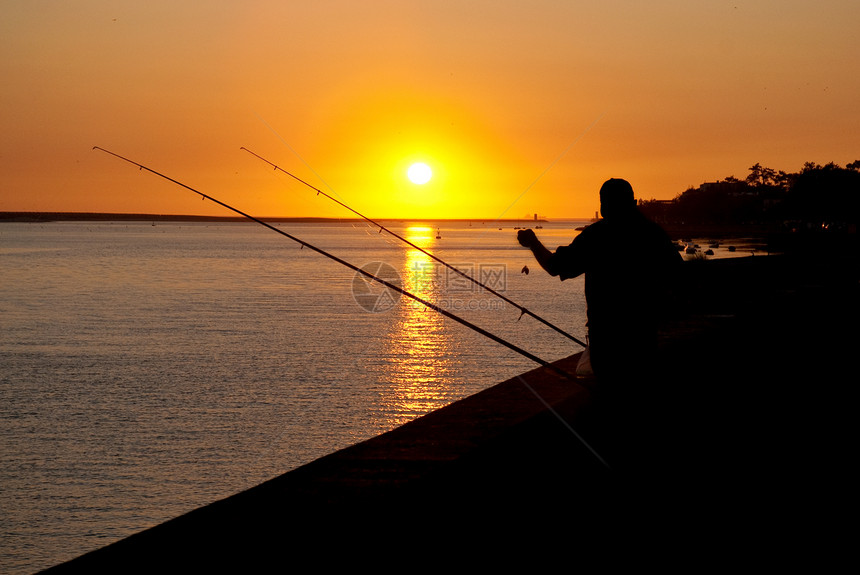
(523, 310)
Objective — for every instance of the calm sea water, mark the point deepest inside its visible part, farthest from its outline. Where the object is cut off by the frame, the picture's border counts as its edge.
(146, 370)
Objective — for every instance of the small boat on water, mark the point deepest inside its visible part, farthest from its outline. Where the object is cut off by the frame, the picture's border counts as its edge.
(438, 234)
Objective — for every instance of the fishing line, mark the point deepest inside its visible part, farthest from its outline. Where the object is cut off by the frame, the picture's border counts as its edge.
(549, 167)
(523, 310)
(367, 274)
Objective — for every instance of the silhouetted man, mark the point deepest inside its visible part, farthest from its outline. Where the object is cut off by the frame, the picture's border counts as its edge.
(625, 258)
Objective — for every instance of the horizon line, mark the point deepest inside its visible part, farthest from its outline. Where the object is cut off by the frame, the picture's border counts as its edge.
(134, 216)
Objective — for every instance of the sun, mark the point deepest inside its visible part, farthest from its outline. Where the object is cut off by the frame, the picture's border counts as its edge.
(419, 173)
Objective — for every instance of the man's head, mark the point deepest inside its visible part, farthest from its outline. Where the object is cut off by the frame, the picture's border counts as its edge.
(616, 198)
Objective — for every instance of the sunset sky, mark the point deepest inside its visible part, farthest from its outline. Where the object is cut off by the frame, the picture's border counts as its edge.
(518, 107)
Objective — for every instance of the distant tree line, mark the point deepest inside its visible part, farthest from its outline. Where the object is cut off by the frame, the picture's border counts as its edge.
(816, 197)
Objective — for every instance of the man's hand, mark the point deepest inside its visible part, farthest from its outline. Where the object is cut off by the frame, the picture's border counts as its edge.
(527, 238)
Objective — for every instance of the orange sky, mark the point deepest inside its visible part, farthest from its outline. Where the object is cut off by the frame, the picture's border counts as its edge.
(668, 94)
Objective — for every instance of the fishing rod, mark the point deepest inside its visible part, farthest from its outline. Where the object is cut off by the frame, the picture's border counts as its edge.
(365, 273)
(523, 310)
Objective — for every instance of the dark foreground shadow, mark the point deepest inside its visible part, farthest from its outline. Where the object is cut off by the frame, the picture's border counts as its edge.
(742, 418)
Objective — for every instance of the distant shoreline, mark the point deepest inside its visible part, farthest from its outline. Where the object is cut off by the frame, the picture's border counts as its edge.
(676, 231)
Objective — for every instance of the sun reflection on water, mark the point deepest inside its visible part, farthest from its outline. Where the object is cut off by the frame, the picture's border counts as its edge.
(419, 370)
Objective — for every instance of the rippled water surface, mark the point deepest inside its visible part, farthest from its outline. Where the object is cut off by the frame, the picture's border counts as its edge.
(148, 369)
